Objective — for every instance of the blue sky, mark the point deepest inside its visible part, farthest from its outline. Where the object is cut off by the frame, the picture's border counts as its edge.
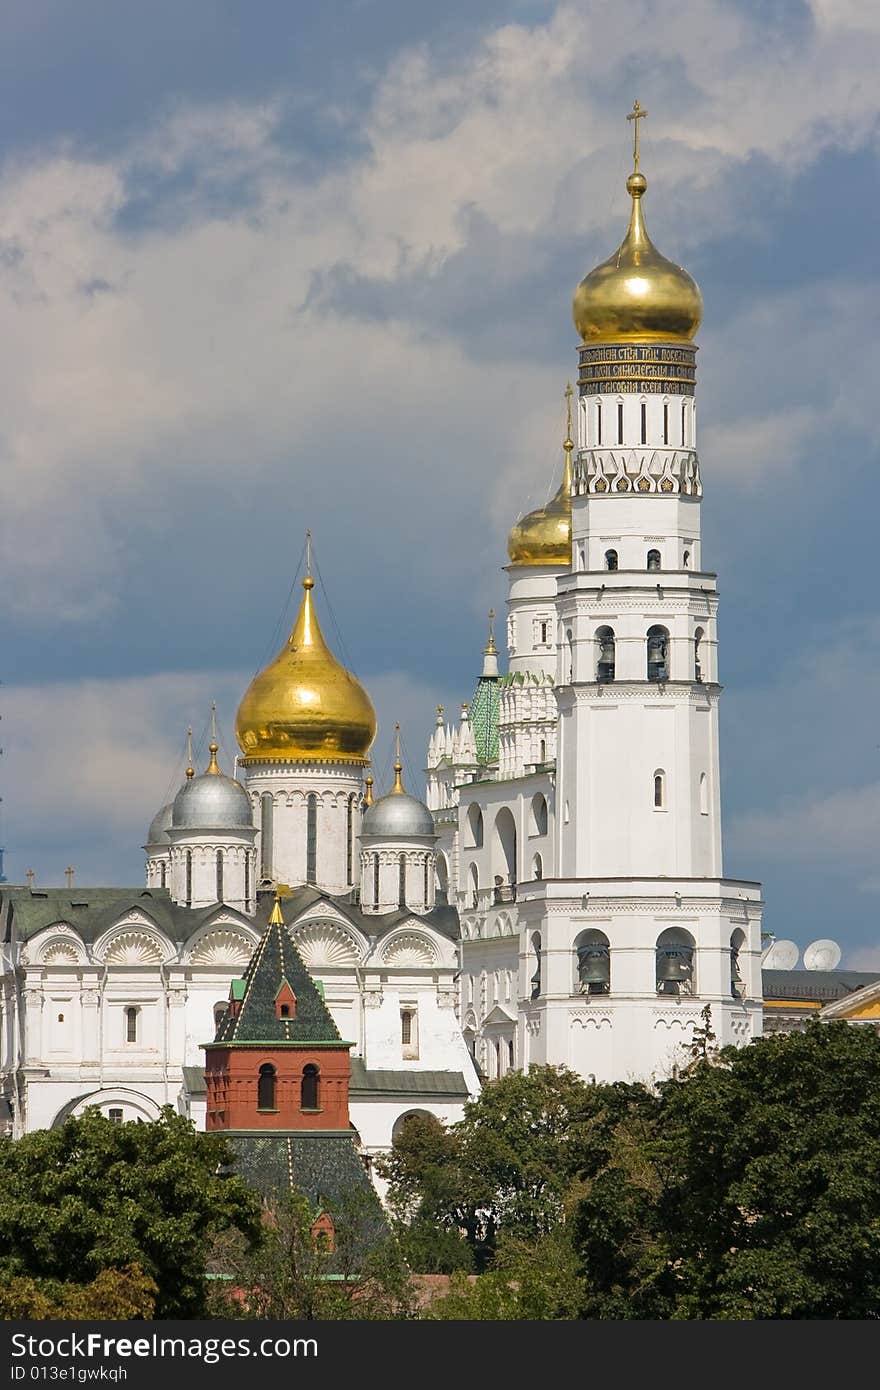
(264, 267)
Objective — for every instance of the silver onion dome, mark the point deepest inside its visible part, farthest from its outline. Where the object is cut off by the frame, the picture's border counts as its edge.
(160, 825)
(212, 801)
(396, 814)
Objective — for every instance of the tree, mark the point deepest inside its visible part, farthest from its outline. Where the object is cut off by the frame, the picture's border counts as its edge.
(94, 1196)
(751, 1190)
(533, 1280)
(508, 1164)
(115, 1294)
(297, 1271)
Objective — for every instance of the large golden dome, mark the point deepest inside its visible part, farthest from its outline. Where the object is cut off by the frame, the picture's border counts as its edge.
(637, 295)
(543, 537)
(305, 706)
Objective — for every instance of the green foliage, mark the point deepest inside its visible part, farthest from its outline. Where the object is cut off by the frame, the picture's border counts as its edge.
(94, 1196)
(115, 1294)
(508, 1164)
(294, 1272)
(537, 1281)
(750, 1189)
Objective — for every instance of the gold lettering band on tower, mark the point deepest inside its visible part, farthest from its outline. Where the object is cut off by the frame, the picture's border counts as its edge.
(637, 367)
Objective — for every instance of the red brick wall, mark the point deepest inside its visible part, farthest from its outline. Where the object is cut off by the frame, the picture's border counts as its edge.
(232, 1074)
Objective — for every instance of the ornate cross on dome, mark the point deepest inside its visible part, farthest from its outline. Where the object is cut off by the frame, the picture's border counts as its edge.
(30, 876)
(68, 874)
(637, 114)
(569, 392)
(308, 553)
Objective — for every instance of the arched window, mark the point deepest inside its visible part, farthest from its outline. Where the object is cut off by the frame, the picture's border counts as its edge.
(675, 961)
(536, 977)
(510, 1054)
(266, 1087)
(542, 751)
(657, 647)
(539, 814)
(375, 880)
(570, 641)
(131, 1024)
(683, 409)
(474, 881)
(475, 826)
(308, 1091)
(401, 881)
(737, 984)
(653, 560)
(605, 654)
(266, 805)
(162, 875)
(620, 422)
(611, 559)
(219, 886)
(537, 867)
(189, 878)
(504, 858)
(644, 423)
(659, 790)
(220, 1009)
(592, 953)
(686, 559)
(698, 654)
(441, 879)
(704, 794)
(409, 1032)
(311, 838)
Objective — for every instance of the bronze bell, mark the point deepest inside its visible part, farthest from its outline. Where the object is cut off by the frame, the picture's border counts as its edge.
(594, 965)
(674, 964)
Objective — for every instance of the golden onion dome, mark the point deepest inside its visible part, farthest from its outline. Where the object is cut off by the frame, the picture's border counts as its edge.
(637, 295)
(305, 706)
(543, 537)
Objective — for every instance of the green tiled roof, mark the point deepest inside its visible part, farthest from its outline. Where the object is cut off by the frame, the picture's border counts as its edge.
(325, 1167)
(92, 910)
(194, 1080)
(484, 719)
(274, 961)
(368, 1081)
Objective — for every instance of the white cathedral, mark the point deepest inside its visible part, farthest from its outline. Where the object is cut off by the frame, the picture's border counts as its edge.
(560, 897)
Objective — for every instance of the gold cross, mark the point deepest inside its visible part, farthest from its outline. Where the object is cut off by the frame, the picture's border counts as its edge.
(308, 553)
(637, 114)
(30, 876)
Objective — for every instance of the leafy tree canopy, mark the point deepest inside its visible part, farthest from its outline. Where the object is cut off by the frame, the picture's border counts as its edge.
(750, 1188)
(94, 1196)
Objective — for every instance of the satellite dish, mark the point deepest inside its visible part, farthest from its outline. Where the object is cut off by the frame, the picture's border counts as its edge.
(783, 955)
(822, 955)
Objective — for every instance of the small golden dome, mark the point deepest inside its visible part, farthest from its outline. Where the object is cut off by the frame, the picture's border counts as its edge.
(637, 295)
(305, 706)
(543, 537)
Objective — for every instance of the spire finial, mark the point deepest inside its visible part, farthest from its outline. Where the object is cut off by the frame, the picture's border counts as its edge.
(490, 649)
(368, 792)
(277, 917)
(637, 114)
(213, 746)
(190, 770)
(568, 442)
(398, 765)
(439, 714)
(214, 721)
(68, 874)
(308, 582)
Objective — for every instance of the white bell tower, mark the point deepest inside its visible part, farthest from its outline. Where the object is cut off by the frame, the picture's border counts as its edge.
(621, 952)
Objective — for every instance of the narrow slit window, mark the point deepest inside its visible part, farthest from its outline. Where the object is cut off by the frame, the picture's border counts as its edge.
(658, 791)
(131, 1025)
(162, 875)
(309, 1088)
(375, 880)
(312, 838)
(644, 423)
(266, 1087)
(683, 411)
(219, 887)
(598, 422)
(401, 882)
(349, 838)
(189, 878)
(665, 422)
(620, 422)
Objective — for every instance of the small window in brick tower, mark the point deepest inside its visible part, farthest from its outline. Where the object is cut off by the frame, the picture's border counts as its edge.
(309, 1087)
(285, 1001)
(266, 1087)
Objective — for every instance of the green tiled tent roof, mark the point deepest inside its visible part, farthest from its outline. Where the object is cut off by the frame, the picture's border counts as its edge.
(484, 719)
(275, 960)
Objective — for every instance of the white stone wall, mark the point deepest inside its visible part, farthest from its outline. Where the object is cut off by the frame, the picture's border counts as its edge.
(335, 786)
